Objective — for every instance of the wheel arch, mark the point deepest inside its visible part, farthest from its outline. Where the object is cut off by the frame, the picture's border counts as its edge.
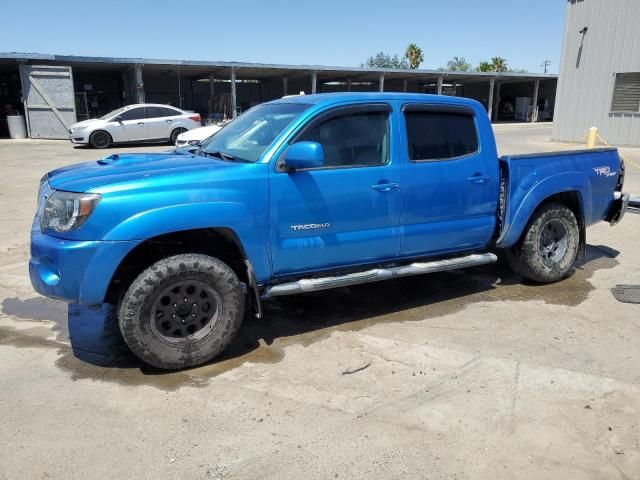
(220, 242)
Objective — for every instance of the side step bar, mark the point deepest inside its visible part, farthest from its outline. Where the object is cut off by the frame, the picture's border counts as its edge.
(377, 274)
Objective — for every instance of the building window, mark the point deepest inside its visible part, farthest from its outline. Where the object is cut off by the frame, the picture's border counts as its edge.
(626, 93)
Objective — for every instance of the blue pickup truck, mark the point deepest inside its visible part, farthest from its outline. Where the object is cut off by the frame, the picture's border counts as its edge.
(303, 194)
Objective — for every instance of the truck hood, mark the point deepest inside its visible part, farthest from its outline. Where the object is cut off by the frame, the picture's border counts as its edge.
(125, 167)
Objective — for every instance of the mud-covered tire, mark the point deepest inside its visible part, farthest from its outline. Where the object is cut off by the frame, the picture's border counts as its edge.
(138, 314)
(549, 245)
(100, 139)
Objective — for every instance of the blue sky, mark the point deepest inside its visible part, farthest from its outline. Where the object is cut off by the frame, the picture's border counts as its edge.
(325, 32)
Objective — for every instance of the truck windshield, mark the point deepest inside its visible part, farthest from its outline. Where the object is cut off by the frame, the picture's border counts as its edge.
(249, 135)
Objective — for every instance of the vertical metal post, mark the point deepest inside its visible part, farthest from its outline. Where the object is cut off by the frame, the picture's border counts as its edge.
(233, 93)
(348, 84)
(405, 85)
(314, 81)
(496, 102)
(440, 80)
(212, 91)
(534, 110)
(492, 84)
(139, 83)
(455, 89)
(285, 85)
(381, 83)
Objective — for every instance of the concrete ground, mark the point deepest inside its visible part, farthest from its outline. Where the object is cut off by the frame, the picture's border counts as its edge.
(471, 374)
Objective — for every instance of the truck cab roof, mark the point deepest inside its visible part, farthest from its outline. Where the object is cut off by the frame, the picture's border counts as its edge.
(342, 97)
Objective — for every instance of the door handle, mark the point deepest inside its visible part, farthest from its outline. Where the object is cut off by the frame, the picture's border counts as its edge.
(140, 123)
(385, 187)
(478, 178)
(169, 120)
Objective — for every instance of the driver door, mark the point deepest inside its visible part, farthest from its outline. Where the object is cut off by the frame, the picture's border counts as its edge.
(346, 212)
(132, 125)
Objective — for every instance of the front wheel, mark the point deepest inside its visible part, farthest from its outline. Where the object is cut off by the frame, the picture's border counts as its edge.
(182, 311)
(549, 245)
(100, 139)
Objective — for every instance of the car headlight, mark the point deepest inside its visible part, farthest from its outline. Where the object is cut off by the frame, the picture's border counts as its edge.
(66, 211)
(194, 142)
(78, 129)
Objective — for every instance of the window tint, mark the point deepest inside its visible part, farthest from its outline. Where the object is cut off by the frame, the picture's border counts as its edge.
(440, 135)
(156, 112)
(352, 140)
(133, 114)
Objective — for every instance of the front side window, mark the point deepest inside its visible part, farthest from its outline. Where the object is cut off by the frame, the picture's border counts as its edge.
(248, 136)
(433, 135)
(352, 140)
(133, 114)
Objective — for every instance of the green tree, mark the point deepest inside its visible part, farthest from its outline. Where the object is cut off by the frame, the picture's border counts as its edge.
(484, 67)
(458, 64)
(382, 60)
(414, 55)
(499, 64)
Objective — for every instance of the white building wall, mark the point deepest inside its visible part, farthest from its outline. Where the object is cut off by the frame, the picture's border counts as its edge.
(588, 66)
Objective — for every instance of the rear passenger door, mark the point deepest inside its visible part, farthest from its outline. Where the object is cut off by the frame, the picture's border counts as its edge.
(160, 121)
(450, 180)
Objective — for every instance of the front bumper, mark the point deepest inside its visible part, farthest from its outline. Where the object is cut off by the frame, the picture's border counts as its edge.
(618, 208)
(79, 138)
(74, 271)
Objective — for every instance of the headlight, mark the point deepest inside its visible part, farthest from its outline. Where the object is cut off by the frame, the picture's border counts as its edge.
(78, 129)
(66, 211)
(194, 142)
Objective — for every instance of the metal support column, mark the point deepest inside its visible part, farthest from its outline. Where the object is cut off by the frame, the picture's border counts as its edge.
(440, 80)
(212, 92)
(233, 93)
(496, 102)
(405, 85)
(139, 83)
(314, 81)
(381, 83)
(492, 84)
(348, 84)
(285, 86)
(534, 110)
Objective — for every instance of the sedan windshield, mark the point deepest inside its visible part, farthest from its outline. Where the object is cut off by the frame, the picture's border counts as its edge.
(249, 135)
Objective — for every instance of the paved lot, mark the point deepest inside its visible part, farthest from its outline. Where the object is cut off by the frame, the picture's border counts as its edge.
(472, 374)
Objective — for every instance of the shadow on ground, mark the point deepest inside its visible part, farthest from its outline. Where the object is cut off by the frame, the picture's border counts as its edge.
(97, 350)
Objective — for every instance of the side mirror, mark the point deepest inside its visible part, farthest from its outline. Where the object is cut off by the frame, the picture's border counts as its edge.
(117, 119)
(303, 155)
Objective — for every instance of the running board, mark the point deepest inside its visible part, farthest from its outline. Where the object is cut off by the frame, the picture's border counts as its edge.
(377, 274)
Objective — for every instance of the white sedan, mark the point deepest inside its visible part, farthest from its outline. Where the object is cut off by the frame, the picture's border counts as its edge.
(198, 135)
(134, 123)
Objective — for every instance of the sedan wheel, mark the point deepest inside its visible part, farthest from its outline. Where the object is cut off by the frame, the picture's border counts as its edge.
(100, 139)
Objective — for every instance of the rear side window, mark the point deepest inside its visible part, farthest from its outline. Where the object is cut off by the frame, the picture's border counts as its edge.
(435, 136)
(352, 140)
(156, 112)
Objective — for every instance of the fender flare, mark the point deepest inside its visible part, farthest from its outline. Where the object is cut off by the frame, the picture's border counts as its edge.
(175, 218)
(517, 221)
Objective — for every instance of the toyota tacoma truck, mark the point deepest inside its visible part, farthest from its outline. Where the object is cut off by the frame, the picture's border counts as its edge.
(302, 194)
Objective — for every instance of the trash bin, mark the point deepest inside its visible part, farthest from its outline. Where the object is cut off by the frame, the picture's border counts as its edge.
(17, 127)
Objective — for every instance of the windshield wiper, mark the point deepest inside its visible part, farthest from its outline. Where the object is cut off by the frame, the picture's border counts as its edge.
(222, 156)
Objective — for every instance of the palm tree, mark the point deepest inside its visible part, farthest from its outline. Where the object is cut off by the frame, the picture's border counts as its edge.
(484, 67)
(499, 64)
(414, 55)
(458, 64)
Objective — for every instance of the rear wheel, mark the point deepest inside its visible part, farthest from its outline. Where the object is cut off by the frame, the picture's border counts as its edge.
(182, 311)
(100, 139)
(549, 245)
(175, 133)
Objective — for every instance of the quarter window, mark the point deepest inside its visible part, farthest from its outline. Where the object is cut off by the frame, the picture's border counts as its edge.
(352, 140)
(440, 135)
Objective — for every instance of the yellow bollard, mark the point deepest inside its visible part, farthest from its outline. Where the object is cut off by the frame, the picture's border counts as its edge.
(592, 137)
